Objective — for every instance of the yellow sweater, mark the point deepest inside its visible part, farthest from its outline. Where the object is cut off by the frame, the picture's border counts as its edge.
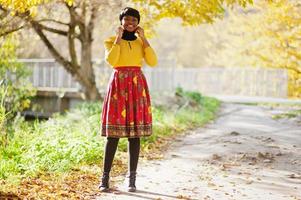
(128, 53)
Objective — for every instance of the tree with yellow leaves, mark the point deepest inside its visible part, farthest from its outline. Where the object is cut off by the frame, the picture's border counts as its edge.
(266, 35)
(15, 90)
(78, 23)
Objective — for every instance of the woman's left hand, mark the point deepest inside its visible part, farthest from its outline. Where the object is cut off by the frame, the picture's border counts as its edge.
(140, 32)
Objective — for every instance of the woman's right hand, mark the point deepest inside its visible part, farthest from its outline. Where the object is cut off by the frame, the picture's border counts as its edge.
(119, 32)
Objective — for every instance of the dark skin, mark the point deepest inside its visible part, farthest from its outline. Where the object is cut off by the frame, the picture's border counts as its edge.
(130, 24)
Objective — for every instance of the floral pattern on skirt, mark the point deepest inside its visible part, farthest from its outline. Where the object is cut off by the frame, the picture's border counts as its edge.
(126, 109)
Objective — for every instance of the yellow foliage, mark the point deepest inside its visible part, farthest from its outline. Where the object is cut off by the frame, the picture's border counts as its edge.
(193, 12)
(267, 35)
(24, 5)
(281, 22)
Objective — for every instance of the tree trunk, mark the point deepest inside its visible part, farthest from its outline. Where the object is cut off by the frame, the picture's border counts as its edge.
(86, 71)
(86, 68)
(82, 73)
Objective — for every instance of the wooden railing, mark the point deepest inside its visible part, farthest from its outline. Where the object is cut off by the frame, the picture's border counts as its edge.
(50, 76)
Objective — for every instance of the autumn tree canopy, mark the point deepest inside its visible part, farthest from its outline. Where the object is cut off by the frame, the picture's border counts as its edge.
(268, 34)
(79, 24)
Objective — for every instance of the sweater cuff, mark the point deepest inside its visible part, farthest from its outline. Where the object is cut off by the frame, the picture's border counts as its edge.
(148, 49)
(116, 45)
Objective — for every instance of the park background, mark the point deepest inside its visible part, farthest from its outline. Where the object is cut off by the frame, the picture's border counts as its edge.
(52, 60)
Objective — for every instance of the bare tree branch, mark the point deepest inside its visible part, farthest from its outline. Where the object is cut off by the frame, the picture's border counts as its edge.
(11, 31)
(76, 21)
(53, 20)
(72, 50)
(53, 30)
(3, 14)
(92, 18)
(71, 42)
(80, 26)
(9, 22)
(3, 9)
(63, 61)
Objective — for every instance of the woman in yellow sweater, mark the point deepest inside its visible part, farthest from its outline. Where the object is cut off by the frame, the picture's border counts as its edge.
(127, 108)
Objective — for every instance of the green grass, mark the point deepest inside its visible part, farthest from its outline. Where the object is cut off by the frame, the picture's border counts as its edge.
(289, 114)
(66, 141)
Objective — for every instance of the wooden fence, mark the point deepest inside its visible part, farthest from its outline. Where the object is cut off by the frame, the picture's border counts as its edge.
(50, 76)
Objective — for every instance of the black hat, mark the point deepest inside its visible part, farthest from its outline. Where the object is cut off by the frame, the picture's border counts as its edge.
(128, 11)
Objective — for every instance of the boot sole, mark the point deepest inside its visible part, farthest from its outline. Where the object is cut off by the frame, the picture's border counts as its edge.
(104, 189)
(132, 190)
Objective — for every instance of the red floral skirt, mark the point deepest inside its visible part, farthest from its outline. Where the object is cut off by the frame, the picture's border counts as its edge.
(126, 109)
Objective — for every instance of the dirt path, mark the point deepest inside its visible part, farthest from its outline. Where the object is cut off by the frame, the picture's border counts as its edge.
(244, 154)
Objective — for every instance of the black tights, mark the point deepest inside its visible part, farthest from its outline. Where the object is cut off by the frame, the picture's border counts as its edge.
(110, 149)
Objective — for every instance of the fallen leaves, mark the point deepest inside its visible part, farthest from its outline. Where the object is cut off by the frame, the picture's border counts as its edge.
(229, 165)
(216, 157)
(253, 159)
(211, 184)
(234, 133)
(77, 184)
(183, 197)
(8, 195)
(295, 176)
(81, 182)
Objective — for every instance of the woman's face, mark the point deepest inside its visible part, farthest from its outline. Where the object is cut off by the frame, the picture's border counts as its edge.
(129, 23)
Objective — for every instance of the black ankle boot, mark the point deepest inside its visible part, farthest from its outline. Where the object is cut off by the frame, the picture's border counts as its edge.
(104, 186)
(132, 180)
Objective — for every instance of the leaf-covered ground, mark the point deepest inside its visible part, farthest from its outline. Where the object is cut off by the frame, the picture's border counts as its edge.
(62, 157)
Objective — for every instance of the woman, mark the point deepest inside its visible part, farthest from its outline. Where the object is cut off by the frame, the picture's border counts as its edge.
(127, 107)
